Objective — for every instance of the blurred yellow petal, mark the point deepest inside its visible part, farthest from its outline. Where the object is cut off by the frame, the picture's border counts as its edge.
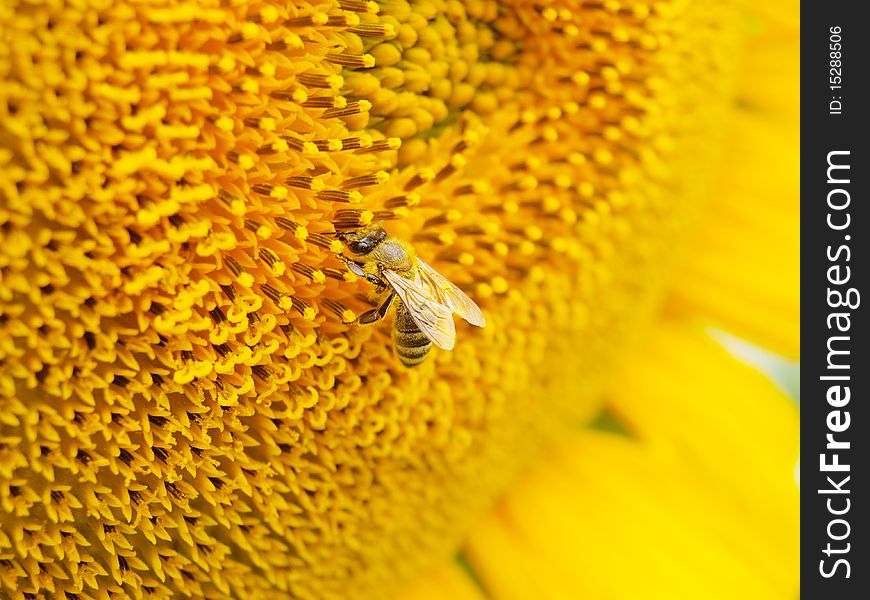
(689, 399)
(743, 271)
(447, 580)
(770, 71)
(702, 503)
(777, 15)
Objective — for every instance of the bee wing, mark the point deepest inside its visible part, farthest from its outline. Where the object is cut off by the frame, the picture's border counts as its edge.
(433, 319)
(449, 295)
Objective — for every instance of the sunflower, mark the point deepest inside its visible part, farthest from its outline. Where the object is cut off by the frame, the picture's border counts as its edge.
(187, 408)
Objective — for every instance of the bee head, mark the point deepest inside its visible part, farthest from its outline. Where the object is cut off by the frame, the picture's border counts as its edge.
(363, 240)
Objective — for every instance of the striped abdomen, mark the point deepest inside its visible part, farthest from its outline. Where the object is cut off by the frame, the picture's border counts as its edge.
(410, 343)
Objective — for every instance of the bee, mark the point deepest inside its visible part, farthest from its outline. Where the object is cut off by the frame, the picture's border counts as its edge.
(425, 300)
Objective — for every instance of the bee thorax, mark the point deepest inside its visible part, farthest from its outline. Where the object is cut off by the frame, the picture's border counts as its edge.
(393, 256)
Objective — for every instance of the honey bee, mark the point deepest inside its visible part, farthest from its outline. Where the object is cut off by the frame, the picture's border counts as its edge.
(425, 300)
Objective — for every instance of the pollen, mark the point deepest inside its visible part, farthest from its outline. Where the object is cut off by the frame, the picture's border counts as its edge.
(188, 407)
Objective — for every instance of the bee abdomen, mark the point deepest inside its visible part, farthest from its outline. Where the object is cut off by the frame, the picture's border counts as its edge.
(408, 353)
(410, 343)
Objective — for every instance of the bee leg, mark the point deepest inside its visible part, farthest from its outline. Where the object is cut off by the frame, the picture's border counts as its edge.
(357, 270)
(382, 311)
(352, 266)
(382, 286)
(376, 314)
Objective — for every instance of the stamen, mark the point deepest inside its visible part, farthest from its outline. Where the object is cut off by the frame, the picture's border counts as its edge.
(285, 223)
(264, 123)
(392, 143)
(373, 30)
(310, 272)
(307, 311)
(297, 95)
(364, 61)
(272, 293)
(337, 274)
(306, 183)
(349, 218)
(340, 310)
(332, 145)
(352, 108)
(319, 80)
(300, 145)
(385, 215)
(359, 6)
(343, 196)
(291, 41)
(326, 102)
(355, 143)
(475, 187)
(234, 265)
(405, 201)
(325, 242)
(263, 189)
(317, 19)
(229, 290)
(448, 216)
(261, 372)
(423, 176)
(456, 163)
(378, 178)
(342, 20)
(462, 258)
(269, 257)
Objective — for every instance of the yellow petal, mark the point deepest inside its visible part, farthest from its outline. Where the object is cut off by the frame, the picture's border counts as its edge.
(701, 504)
(447, 580)
(688, 398)
(770, 71)
(743, 272)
